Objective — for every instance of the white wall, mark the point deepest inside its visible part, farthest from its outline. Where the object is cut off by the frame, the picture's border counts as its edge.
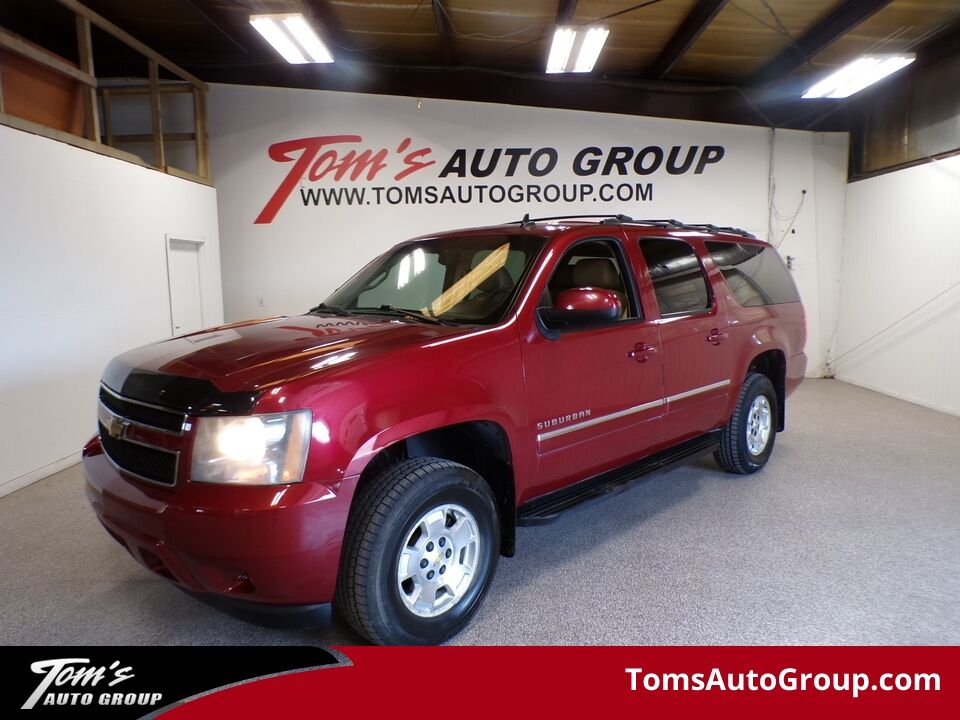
(901, 249)
(296, 260)
(82, 278)
(806, 222)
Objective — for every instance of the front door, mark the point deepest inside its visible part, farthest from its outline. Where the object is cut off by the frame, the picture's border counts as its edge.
(595, 392)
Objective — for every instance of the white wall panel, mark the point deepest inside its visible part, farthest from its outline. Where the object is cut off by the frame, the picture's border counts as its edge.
(830, 153)
(901, 249)
(82, 278)
(806, 219)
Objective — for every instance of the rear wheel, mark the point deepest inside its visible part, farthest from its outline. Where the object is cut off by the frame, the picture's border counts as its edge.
(420, 550)
(747, 440)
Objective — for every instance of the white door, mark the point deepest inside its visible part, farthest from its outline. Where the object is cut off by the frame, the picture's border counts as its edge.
(186, 289)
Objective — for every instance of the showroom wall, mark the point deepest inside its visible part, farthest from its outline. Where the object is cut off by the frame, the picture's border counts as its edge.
(901, 262)
(83, 277)
(313, 184)
(807, 228)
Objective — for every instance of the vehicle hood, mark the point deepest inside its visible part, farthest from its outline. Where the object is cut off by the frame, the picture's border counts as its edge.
(246, 357)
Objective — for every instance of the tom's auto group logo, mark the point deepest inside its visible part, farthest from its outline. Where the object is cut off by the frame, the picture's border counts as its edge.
(72, 681)
(348, 170)
(130, 683)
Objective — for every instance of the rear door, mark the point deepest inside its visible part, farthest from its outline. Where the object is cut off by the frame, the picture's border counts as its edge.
(594, 393)
(697, 354)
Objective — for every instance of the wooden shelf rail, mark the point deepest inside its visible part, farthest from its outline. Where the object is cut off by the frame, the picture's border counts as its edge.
(95, 95)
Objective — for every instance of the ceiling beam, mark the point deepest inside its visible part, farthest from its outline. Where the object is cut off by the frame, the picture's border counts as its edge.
(686, 35)
(942, 44)
(618, 94)
(835, 25)
(444, 29)
(566, 9)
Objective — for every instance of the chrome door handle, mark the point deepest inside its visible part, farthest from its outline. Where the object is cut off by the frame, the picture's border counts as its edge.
(715, 336)
(640, 351)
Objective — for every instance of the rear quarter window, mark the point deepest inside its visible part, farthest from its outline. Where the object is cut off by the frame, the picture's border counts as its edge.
(755, 273)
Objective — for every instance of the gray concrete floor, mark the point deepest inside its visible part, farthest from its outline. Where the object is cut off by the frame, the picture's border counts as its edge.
(850, 535)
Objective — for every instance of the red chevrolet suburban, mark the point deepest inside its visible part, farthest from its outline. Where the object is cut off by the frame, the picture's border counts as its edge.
(379, 451)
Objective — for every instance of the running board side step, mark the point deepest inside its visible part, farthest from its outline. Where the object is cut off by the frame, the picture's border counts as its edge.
(547, 508)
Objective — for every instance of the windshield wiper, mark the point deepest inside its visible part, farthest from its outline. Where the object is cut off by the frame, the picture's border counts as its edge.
(332, 309)
(402, 312)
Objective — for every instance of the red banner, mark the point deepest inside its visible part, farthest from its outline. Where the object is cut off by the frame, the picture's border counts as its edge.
(487, 682)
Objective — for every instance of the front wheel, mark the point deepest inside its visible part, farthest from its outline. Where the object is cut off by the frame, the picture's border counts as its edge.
(420, 550)
(747, 440)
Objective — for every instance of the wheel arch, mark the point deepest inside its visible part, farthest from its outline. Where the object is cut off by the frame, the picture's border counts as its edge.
(772, 362)
(481, 445)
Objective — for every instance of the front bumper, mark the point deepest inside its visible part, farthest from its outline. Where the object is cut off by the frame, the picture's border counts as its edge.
(268, 545)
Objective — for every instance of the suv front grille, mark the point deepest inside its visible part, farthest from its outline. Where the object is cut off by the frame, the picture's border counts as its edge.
(147, 463)
(142, 414)
(136, 437)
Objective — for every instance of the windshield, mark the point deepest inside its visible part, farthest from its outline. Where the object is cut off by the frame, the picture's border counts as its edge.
(470, 279)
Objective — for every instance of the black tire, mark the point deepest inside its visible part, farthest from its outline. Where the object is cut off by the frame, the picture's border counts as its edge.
(734, 455)
(384, 512)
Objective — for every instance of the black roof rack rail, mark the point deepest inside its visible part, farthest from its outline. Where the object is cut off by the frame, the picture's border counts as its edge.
(620, 219)
(664, 223)
(527, 220)
(617, 220)
(707, 227)
(606, 219)
(722, 228)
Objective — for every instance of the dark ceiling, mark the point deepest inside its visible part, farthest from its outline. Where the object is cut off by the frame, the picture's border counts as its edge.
(741, 61)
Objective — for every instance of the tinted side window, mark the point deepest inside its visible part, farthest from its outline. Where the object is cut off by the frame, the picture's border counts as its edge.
(756, 274)
(677, 277)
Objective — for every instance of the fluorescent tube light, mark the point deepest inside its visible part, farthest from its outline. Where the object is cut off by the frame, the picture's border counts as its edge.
(590, 47)
(560, 49)
(576, 50)
(307, 38)
(293, 37)
(274, 35)
(855, 76)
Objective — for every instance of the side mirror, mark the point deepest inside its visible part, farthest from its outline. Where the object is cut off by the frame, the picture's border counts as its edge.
(580, 307)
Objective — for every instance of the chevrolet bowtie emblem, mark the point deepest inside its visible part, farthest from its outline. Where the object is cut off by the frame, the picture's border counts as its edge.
(118, 428)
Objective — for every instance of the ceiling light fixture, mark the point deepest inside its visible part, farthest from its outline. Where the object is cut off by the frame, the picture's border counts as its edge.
(293, 37)
(576, 50)
(855, 76)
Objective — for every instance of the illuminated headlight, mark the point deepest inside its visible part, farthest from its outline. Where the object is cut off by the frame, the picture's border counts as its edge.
(251, 450)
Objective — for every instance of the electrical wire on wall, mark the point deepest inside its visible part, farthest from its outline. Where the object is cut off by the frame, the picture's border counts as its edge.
(792, 218)
(775, 218)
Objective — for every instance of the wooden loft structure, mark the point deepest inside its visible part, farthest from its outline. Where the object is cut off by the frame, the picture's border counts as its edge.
(77, 107)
